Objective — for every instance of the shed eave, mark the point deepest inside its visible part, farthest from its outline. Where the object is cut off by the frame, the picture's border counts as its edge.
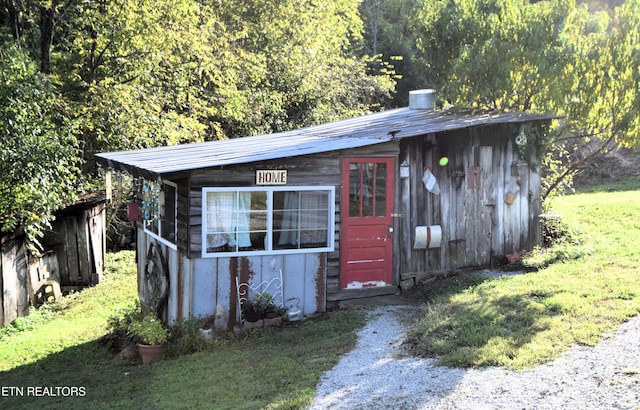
(350, 133)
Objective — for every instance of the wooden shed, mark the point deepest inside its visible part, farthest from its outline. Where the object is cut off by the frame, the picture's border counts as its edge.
(333, 212)
(72, 258)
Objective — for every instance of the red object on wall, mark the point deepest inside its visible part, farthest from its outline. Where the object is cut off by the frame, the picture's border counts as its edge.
(133, 211)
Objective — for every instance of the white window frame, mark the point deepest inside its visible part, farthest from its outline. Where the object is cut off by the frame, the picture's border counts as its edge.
(269, 231)
(161, 202)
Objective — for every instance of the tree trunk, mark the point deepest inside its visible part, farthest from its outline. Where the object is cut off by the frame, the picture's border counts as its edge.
(47, 25)
(13, 17)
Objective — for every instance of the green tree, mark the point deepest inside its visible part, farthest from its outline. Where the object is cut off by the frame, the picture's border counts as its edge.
(133, 74)
(300, 58)
(549, 56)
(151, 73)
(389, 32)
(38, 154)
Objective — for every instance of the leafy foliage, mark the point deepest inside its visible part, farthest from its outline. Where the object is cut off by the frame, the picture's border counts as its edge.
(186, 338)
(123, 74)
(149, 329)
(549, 56)
(151, 73)
(39, 153)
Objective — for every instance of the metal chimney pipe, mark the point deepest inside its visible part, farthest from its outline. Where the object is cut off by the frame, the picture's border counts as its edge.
(422, 99)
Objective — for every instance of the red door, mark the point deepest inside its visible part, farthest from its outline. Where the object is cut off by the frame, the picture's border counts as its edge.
(366, 255)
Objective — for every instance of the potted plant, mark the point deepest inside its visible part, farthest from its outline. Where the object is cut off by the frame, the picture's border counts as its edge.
(261, 306)
(151, 335)
(252, 310)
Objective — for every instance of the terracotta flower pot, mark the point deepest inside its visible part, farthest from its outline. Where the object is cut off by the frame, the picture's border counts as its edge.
(271, 315)
(151, 353)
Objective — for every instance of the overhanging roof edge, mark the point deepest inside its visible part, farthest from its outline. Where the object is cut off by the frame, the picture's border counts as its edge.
(350, 133)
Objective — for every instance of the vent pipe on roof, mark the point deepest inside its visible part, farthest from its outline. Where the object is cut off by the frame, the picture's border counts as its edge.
(422, 99)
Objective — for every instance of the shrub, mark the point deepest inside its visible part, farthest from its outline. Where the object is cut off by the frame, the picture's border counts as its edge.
(186, 337)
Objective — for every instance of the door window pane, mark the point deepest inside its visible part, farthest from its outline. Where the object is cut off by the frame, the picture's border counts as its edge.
(367, 184)
(380, 189)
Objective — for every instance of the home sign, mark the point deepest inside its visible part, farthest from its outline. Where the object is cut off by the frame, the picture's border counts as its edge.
(271, 177)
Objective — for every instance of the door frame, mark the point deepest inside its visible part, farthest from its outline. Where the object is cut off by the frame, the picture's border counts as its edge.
(390, 188)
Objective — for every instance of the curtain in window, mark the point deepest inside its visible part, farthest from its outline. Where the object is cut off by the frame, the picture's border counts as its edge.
(313, 219)
(302, 222)
(228, 215)
(243, 218)
(220, 221)
(289, 233)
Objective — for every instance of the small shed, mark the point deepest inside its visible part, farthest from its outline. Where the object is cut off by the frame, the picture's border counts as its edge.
(72, 258)
(338, 211)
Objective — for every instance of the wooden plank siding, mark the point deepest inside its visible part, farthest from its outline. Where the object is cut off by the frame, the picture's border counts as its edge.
(308, 170)
(73, 256)
(476, 222)
(183, 229)
(14, 276)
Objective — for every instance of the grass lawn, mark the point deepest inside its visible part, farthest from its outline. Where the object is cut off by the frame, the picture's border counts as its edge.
(515, 321)
(58, 347)
(520, 321)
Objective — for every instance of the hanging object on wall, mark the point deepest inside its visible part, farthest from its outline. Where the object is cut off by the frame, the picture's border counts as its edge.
(427, 237)
(430, 182)
(521, 138)
(133, 211)
(443, 161)
(404, 169)
(154, 289)
(147, 202)
(511, 196)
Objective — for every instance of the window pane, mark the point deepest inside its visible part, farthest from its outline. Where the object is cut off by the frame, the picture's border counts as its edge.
(265, 220)
(256, 215)
(380, 189)
(168, 212)
(300, 219)
(236, 221)
(286, 205)
(220, 224)
(150, 206)
(152, 225)
(355, 191)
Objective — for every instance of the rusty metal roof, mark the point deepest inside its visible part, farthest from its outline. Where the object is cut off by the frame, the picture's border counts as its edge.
(343, 134)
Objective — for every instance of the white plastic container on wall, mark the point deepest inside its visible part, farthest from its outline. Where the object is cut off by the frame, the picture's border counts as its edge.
(427, 237)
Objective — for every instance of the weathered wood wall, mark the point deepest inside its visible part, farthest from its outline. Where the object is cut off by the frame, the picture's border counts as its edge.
(73, 257)
(477, 222)
(13, 280)
(78, 238)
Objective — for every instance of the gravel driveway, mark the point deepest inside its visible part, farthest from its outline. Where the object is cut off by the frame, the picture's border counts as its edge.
(377, 375)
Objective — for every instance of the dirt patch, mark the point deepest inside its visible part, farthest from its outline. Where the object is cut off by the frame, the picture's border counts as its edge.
(615, 165)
